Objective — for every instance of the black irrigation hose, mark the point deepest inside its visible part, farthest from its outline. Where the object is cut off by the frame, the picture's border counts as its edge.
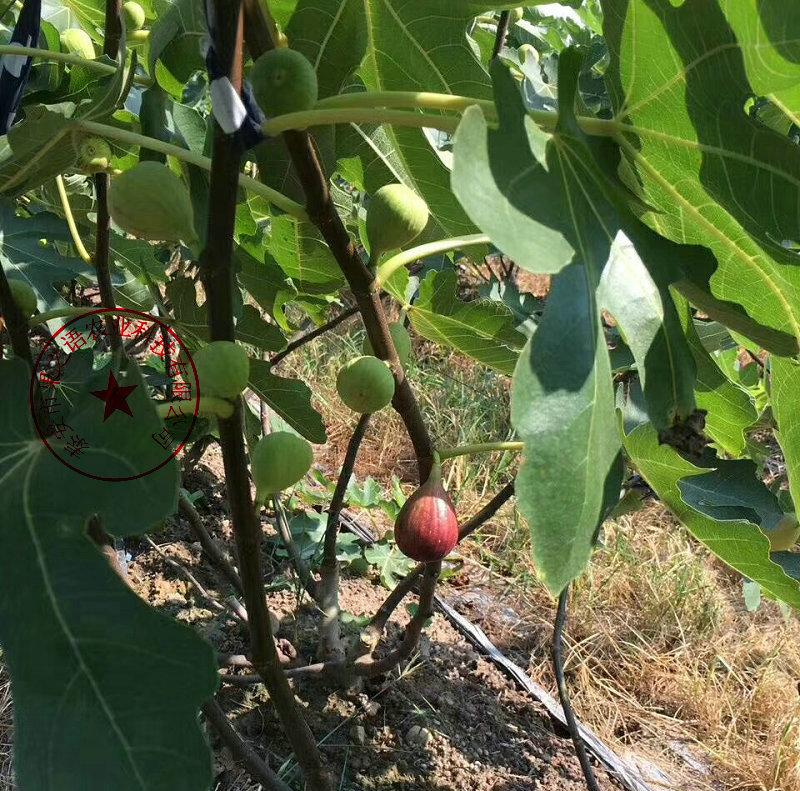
(563, 694)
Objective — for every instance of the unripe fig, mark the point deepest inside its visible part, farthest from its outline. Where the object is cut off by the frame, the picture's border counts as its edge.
(365, 384)
(785, 535)
(514, 15)
(402, 342)
(223, 369)
(284, 81)
(24, 296)
(78, 42)
(395, 217)
(151, 202)
(94, 155)
(279, 461)
(426, 528)
(134, 16)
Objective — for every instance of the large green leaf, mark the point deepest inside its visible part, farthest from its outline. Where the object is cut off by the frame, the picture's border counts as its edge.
(740, 544)
(769, 37)
(547, 199)
(106, 690)
(27, 251)
(300, 251)
(562, 405)
(785, 399)
(730, 410)
(391, 45)
(714, 175)
(483, 329)
(290, 398)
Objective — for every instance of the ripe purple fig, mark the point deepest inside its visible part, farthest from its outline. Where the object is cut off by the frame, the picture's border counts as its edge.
(427, 527)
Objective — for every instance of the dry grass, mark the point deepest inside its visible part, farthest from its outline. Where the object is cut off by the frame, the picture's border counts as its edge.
(666, 662)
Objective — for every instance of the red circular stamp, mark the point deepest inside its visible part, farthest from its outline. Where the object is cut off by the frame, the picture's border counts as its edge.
(111, 416)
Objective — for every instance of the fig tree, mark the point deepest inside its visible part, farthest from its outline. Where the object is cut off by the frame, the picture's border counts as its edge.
(365, 384)
(78, 42)
(426, 528)
(284, 81)
(396, 216)
(134, 16)
(402, 342)
(278, 461)
(24, 296)
(223, 369)
(151, 202)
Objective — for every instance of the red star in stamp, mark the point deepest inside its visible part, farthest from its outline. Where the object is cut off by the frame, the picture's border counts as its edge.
(115, 397)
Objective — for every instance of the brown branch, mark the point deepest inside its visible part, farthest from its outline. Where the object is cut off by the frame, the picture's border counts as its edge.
(367, 666)
(501, 33)
(330, 645)
(215, 554)
(257, 768)
(102, 250)
(217, 275)
(322, 213)
(309, 336)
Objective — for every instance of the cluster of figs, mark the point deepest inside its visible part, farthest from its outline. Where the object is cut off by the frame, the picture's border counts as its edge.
(150, 201)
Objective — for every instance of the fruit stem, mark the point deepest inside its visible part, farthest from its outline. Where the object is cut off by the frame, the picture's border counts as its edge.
(480, 447)
(207, 405)
(67, 57)
(423, 100)
(58, 313)
(391, 265)
(412, 100)
(73, 228)
(124, 136)
(358, 115)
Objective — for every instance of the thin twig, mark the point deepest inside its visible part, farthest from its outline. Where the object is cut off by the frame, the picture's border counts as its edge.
(330, 644)
(309, 336)
(367, 666)
(257, 768)
(502, 32)
(217, 275)
(181, 569)
(322, 213)
(563, 693)
(298, 562)
(215, 554)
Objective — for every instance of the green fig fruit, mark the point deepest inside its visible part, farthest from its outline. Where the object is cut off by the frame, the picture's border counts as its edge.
(94, 155)
(284, 81)
(78, 42)
(149, 201)
(785, 535)
(514, 15)
(134, 16)
(365, 384)
(402, 342)
(279, 460)
(24, 296)
(223, 369)
(396, 216)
